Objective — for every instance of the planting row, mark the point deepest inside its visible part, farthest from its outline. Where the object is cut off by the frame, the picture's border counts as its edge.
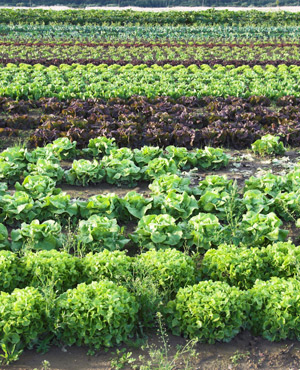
(189, 122)
(169, 269)
(95, 33)
(66, 271)
(135, 62)
(117, 166)
(175, 214)
(125, 17)
(153, 54)
(77, 81)
(160, 231)
(149, 44)
(218, 313)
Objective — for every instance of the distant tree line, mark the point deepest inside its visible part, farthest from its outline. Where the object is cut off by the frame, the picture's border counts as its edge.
(150, 3)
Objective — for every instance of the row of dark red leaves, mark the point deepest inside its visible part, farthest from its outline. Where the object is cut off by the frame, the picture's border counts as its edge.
(151, 44)
(190, 122)
(186, 63)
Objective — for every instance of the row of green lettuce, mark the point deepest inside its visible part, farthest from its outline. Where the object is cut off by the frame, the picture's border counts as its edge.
(90, 81)
(198, 234)
(130, 17)
(118, 166)
(169, 268)
(121, 296)
(175, 214)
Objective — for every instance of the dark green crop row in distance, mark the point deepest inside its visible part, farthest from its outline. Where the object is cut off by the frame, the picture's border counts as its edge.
(172, 18)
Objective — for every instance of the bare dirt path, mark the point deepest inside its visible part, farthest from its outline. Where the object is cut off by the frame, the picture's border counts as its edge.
(244, 352)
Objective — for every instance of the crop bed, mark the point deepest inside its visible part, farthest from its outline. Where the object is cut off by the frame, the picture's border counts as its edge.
(103, 33)
(188, 121)
(90, 81)
(149, 179)
(149, 53)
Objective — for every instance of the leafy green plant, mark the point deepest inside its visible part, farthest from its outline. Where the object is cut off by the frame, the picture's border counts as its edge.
(133, 206)
(212, 201)
(146, 154)
(3, 188)
(37, 236)
(120, 154)
(214, 183)
(268, 145)
(208, 311)
(164, 183)
(15, 154)
(46, 167)
(159, 166)
(287, 205)
(44, 153)
(256, 201)
(169, 269)
(115, 266)
(63, 148)
(293, 180)
(10, 172)
(99, 233)
(239, 266)
(98, 314)
(4, 243)
(11, 272)
(181, 206)
(181, 156)
(121, 171)
(156, 277)
(23, 320)
(59, 207)
(209, 158)
(202, 231)
(158, 231)
(84, 172)
(17, 207)
(285, 258)
(100, 146)
(38, 186)
(258, 229)
(268, 184)
(104, 205)
(274, 309)
(12, 164)
(58, 269)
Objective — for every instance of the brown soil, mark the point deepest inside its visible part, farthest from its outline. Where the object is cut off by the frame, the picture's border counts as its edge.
(244, 352)
(104, 188)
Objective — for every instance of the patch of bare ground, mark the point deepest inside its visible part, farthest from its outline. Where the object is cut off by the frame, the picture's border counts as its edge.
(244, 352)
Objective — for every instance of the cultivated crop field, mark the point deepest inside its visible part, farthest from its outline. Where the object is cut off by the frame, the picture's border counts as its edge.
(149, 190)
